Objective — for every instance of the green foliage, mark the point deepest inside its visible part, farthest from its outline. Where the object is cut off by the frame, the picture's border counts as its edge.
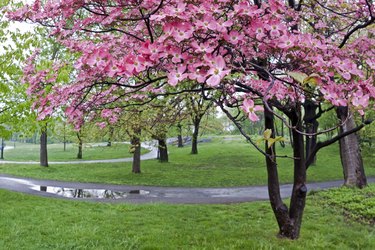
(270, 140)
(356, 204)
(15, 47)
(304, 79)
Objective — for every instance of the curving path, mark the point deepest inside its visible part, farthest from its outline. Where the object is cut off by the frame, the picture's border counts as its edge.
(147, 194)
(148, 156)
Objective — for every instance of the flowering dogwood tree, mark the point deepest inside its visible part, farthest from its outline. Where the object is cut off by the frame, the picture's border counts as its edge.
(255, 55)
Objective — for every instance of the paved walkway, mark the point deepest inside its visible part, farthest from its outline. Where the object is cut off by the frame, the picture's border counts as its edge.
(150, 155)
(147, 194)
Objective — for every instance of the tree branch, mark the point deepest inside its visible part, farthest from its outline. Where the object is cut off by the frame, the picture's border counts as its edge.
(321, 145)
(358, 27)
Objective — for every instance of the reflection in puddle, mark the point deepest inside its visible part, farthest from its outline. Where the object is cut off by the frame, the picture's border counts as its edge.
(89, 193)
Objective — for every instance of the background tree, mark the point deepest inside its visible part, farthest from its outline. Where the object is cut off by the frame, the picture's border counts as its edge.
(15, 47)
(161, 116)
(197, 106)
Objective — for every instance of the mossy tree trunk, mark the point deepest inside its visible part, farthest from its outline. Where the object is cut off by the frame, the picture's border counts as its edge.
(179, 136)
(136, 145)
(194, 140)
(162, 150)
(80, 145)
(350, 152)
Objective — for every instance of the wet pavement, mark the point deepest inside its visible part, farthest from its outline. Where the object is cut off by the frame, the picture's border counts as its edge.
(148, 194)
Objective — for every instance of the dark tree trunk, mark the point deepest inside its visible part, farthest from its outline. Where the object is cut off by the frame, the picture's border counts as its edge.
(64, 137)
(350, 154)
(109, 143)
(291, 136)
(298, 199)
(136, 144)
(179, 136)
(194, 140)
(311, 127)
(34, 139)
(43, 148)
(279, 208)
(80, 143)
(281, 133)
(2, 148)
(289, 221)
(162, 150)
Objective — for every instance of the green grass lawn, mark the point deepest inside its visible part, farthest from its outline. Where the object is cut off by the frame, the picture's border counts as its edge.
(30, 152)
(219, 163)
(30, 222)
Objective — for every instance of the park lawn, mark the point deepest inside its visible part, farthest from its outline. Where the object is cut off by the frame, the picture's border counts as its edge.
(91, 151)
(221, 163)
(31, 222)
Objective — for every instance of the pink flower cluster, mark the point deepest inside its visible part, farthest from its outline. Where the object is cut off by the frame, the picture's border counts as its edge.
(214, 43)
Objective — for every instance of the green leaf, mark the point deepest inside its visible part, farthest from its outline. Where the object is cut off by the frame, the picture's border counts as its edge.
(298, 76)
(312, 80)
(267, 134)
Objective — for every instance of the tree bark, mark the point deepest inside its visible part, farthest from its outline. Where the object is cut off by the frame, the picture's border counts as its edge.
(281, 133)
(311, 127)
(64, 137)
(280, 210)
(179, 136)
(111, 131)
(290, 136)
(2, 148)
(162, 150)
(194, 140)
(298, 199)
(80, 143)
(43, 147)
(136, 144)
(350, 154)
(289, 221)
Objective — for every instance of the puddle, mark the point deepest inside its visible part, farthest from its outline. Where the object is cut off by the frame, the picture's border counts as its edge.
(89, 193)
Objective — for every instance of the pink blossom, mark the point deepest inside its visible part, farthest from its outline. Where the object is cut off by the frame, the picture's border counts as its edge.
(286, 42)
(176, 10)
(274, 29)
(106, 113)
(234, 37)
(208, 22)
(101, 125)
(202, 47)
(182, 31)
(371, 63)
(98, 58)
(249, 108)
(360, 101)
(331, 95)
(135, 63)
(198, 75)
(177, 55)
(177, 75)
(217, 71)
